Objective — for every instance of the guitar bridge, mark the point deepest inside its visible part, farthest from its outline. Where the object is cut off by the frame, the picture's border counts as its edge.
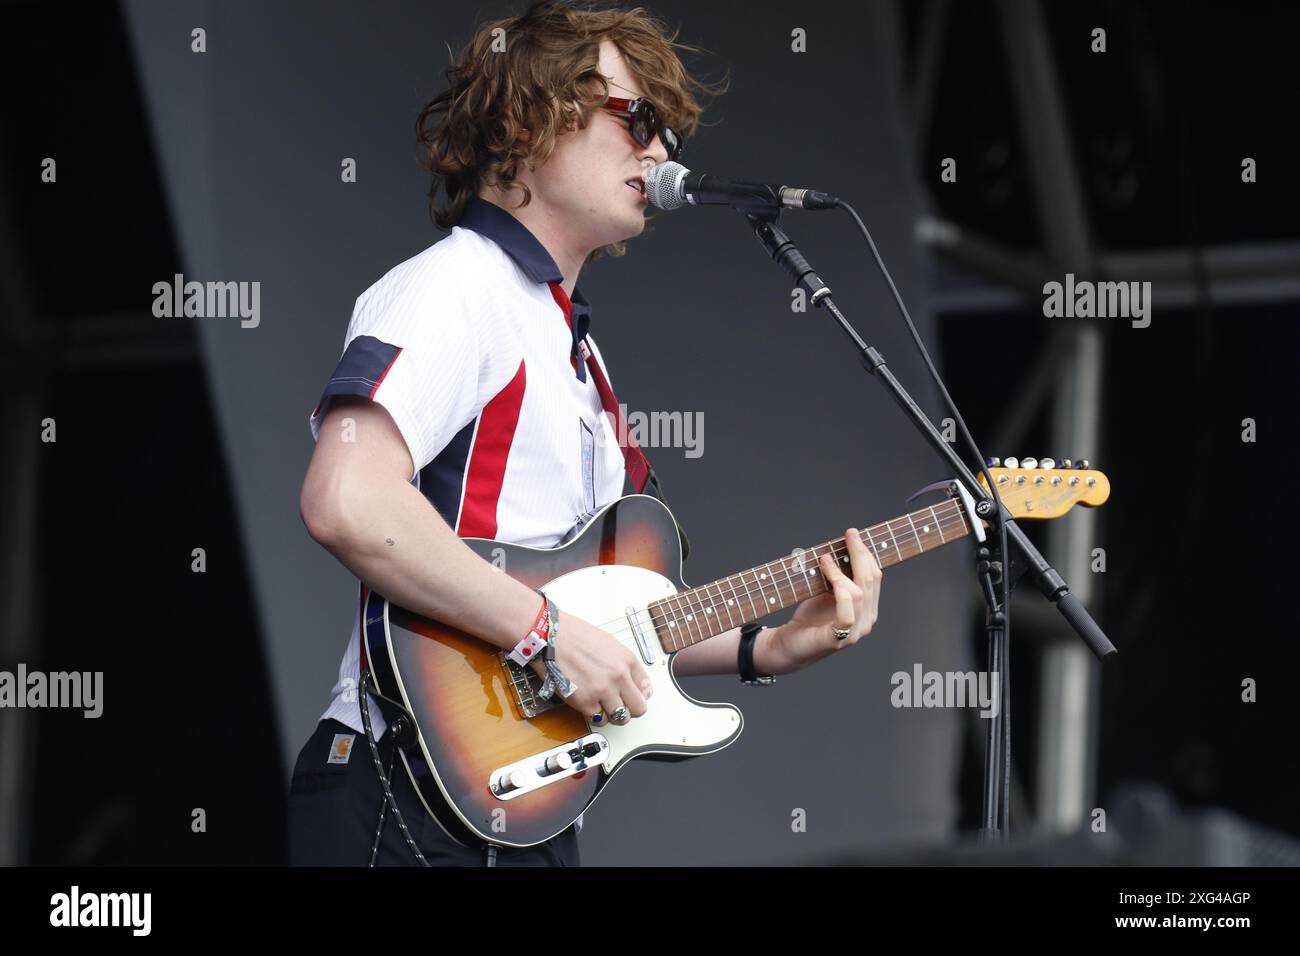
(527, 688)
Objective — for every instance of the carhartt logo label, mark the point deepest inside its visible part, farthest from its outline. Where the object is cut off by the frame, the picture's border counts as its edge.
(341, 751)
(102, 909)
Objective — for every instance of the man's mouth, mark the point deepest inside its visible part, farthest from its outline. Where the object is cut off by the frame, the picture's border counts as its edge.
(637, 184)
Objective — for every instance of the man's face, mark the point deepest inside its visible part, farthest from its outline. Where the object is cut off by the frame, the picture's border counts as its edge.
(583, 185)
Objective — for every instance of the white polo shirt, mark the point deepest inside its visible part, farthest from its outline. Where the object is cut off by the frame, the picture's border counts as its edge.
(467, 348)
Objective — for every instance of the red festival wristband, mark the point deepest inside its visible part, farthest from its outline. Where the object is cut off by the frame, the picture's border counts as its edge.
(527, 649)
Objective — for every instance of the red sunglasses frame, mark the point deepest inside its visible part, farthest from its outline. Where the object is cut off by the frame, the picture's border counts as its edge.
(642, 107)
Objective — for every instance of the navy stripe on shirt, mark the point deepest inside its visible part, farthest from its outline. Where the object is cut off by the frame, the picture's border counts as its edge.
(443, 479)
(361, 368)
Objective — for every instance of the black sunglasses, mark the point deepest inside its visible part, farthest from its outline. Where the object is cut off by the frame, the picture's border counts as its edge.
(644, 124)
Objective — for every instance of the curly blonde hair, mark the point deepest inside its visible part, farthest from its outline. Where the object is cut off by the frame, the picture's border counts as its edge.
(546, 81)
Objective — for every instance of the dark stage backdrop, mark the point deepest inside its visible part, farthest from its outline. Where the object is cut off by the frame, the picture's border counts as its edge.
(797, 443)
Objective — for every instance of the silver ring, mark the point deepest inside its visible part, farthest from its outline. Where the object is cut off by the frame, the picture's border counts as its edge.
(619, 716)
(841, 633)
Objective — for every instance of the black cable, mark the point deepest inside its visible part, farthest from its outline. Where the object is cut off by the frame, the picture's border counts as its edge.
(379, 769)
(1005, 590)
(383, 812)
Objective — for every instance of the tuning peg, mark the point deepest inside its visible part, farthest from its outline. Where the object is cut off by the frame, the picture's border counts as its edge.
(1046, 463)
(1029, 463)
(1011, 462)
(993, 462)
(1082, 464)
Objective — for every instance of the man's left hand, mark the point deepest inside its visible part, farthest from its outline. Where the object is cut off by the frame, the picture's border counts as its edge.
(851, 603)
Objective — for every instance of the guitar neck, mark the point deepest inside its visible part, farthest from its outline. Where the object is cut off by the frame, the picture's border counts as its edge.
(689, 617)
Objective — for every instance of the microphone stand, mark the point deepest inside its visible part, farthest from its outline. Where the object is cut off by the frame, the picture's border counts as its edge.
(991, 564)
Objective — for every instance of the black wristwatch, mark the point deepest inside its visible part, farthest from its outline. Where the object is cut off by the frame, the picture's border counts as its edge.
(745, 658)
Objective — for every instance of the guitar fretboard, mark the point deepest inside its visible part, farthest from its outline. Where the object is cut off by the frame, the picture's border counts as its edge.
(696, 615)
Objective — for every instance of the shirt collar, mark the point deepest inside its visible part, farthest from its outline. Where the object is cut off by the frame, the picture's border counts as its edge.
(493, 222)
(490, 220)
(581, 315)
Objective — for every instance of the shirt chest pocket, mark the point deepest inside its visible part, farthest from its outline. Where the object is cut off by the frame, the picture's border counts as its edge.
(602, 462)
(589, 459)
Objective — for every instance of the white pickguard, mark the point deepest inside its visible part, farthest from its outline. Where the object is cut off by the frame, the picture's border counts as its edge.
(673, 722)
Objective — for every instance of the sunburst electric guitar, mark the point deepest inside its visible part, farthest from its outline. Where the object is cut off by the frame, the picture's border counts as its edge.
(494, 762)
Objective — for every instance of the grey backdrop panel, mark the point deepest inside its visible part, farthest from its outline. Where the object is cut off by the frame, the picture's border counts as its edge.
(798, 443)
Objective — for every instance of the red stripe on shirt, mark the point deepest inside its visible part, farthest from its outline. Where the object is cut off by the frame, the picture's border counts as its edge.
(385, 375)
(486, 470)
(566, 304)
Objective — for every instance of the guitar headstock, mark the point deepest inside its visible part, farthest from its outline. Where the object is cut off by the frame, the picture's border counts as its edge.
(1033, 488)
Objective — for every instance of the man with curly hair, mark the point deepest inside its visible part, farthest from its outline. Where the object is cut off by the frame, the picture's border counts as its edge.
(469, 381)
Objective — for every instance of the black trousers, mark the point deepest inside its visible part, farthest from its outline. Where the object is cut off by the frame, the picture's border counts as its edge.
(334, 812)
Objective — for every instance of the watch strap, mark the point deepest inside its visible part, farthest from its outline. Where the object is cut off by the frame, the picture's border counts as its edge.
(745, 657)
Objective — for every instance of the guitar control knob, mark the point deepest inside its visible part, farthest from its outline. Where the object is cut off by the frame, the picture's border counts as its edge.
(1012, 462)
(557, 763)
(509, 781)
(1047, 463)
(1066, 463)
(1029, 463)
(993, 462)
(1082, 463)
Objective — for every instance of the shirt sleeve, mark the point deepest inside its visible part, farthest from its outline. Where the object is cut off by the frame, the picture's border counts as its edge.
(415, 351)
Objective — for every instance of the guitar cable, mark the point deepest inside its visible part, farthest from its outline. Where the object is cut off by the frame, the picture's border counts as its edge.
(389, 802)
(385, 779)
(383, 815)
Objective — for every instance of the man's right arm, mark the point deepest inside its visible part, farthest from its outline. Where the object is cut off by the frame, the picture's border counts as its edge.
(359, 504)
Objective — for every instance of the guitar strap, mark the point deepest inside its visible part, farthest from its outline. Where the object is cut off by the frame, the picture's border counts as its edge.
(639, 470)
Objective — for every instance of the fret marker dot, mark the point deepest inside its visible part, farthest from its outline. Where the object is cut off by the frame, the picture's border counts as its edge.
(708, 610)
(730, 602)
(672, 623)
(925, 528)
(763, 575)
(771, 600)
(689, 617)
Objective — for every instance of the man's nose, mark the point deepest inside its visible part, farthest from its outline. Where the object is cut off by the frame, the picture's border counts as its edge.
(656, 151)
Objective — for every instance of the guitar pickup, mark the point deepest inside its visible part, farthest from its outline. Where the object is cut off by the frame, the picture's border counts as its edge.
(542, 769)
(642, 642)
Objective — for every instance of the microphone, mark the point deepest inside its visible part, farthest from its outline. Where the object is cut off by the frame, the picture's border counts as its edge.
(670, 186)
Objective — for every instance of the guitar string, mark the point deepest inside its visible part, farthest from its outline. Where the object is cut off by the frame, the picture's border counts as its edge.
(747, 592)
(694, 607)
(951, 509)
(954, 517)
(619, 629)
